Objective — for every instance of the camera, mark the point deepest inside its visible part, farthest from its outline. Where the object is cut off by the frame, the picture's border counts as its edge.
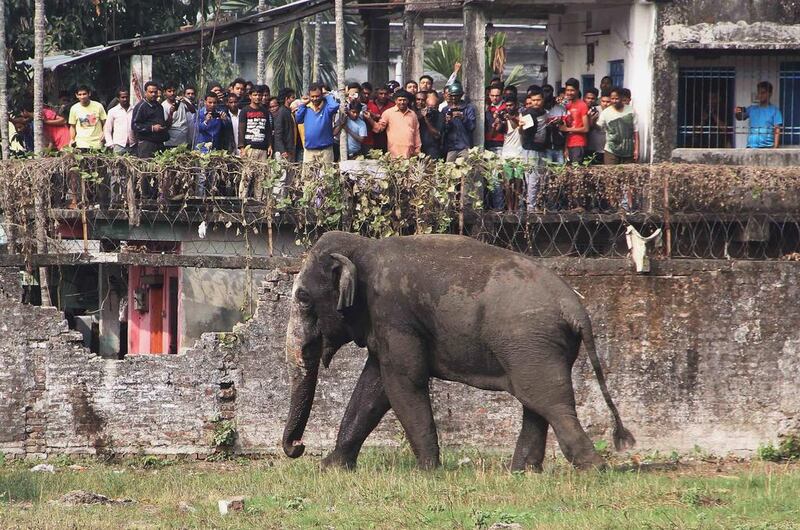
(215, 114)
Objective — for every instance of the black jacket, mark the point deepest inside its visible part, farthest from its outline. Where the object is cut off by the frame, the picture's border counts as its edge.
(285, 134)
(145, 115)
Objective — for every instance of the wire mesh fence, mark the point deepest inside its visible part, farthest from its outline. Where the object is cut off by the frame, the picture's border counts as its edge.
(217, 204)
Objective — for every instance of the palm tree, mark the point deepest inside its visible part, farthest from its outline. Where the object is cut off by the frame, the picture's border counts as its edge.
(40, 214)
(3, 101)
(38, 74)
(261, 56)
(442, 55)
(285, 53)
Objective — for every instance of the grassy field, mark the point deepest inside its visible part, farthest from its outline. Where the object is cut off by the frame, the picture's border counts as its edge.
(471, 491)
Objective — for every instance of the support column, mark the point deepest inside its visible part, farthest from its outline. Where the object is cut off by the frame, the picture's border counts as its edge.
(376, 35)
(474, 63)
(413, 45)
(110, 283)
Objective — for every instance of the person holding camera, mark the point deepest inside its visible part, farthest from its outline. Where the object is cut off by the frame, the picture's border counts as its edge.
(176, 110)
(494, 126)
(210, 125)
(431, 122)
(459, 123)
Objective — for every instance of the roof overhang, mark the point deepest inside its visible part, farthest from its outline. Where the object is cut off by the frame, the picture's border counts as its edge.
(213, 31)
(729, 37)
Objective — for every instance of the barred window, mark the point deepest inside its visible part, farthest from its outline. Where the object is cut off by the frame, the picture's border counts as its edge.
(616, 71)
(789, 89)
(705, 107)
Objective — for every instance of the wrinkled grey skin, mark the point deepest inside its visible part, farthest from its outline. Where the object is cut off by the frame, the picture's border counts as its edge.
(439, 306)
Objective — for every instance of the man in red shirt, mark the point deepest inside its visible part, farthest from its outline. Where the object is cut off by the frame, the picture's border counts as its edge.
(576, 124)
(494, 121)
(374, 111)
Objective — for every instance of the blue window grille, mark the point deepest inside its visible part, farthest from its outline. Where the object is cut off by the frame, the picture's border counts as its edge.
(790, 102)
(616, 71)
(705, 107)
(587, 81)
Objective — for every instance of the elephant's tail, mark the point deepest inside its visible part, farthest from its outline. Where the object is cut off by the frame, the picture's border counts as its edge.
(623, 439)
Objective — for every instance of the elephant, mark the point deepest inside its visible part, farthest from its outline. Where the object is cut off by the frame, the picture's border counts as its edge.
(443, 306)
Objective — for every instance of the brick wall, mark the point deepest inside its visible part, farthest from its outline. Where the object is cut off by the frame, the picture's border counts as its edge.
(697, 353)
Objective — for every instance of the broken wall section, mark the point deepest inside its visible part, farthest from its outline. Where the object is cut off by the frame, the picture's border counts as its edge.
(697, 353)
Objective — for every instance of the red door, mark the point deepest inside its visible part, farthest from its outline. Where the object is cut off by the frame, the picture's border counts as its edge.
(157, 319)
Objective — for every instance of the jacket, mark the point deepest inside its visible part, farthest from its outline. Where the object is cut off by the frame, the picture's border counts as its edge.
(285, 132)
(144, 116)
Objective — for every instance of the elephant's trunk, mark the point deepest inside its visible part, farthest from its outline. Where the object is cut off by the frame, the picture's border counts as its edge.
(303, 370)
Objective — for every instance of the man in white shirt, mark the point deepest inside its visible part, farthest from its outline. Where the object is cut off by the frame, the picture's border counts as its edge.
(119, 137)
(117, 129)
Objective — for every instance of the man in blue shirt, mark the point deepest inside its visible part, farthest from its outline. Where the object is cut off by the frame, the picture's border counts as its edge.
(765, 119)
(210, 126)
(459, 123)
(316, 113)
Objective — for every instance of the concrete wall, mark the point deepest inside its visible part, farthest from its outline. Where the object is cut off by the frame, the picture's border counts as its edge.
(697, 353)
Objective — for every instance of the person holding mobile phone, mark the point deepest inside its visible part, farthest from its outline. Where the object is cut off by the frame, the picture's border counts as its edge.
(766, 120)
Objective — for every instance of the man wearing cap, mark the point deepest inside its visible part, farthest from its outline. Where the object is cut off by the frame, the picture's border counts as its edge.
(401, 126)
(459, 123)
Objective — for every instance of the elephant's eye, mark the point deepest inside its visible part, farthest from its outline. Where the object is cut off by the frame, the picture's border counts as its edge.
(303, 297)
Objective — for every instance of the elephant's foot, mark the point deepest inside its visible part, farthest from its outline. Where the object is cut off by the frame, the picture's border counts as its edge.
(594, 462)
(428, 463)
(534, 467)
(337, 459)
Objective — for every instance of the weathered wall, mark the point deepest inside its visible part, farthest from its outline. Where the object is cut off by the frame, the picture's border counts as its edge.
(697, 353)
(722, 26)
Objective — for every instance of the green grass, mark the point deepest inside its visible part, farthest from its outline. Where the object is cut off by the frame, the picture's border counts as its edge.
(387, 492)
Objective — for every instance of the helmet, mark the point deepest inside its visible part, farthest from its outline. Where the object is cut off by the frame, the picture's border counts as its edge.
(391, 86)
(456, 89)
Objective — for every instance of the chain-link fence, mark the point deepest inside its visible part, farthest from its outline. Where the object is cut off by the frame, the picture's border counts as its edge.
(217, 204)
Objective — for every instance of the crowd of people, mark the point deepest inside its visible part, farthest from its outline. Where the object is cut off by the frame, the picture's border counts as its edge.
(543, 125)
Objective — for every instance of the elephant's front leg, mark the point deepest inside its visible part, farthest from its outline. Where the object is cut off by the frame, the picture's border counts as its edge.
(366, 408)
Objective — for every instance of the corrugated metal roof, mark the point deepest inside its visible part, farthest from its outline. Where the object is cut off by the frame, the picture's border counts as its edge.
(192, 38)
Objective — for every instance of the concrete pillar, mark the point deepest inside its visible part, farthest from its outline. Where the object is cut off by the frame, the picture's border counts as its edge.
(413, 45)
(639, 72)
(553, 43)
(473, 63)
(109, 309)
(377, 41)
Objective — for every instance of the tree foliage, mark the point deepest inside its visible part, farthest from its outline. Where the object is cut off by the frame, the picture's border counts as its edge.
(442, 55)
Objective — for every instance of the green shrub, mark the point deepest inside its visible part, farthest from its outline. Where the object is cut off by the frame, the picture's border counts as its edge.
(788, 449)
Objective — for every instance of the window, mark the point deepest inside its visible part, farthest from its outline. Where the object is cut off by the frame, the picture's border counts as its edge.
(590, 53)
(616, 71)
(789, 90)
(705, 107)
(587, 81)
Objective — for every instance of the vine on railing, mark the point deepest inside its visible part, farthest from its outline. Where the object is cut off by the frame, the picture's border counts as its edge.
(385, 197)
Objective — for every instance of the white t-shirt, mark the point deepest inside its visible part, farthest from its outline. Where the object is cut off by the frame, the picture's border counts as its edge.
(512, 143)
(179, 130)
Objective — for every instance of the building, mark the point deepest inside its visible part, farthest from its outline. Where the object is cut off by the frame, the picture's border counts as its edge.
(688, 65)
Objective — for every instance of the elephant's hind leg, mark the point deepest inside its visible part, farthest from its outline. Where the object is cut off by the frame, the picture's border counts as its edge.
(530, 450)
(366, 408)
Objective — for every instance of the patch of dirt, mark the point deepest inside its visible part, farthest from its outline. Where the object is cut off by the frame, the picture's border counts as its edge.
(88, 498)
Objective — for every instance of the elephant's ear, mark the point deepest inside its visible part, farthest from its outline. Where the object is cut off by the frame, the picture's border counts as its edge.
(347, 281)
